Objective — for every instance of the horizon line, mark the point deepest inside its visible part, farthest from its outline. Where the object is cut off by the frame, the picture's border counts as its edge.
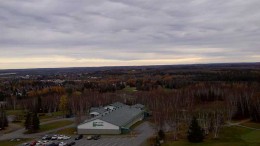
(114, 66)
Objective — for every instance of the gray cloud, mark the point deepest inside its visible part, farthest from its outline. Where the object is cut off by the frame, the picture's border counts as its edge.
(128, 30)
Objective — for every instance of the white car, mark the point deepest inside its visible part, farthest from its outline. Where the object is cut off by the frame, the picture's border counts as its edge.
(38, 143)
(66, 137)
(62, 143)
(60, 137)
(54, 137)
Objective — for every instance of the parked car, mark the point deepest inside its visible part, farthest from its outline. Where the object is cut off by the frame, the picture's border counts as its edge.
(33, 143)
(60, 137)
(46, 137)
(62, 143)
(71, 143)
(79, 137)
(53, 144)
(66, 137)
(89, 137)
(54, 137)
(39, 143)
(26, 144)
(96, 137)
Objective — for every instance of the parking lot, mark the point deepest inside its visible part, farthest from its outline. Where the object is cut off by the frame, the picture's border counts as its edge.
(108, 141)
(144, 131)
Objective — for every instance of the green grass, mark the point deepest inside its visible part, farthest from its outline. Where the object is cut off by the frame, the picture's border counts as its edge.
(67, 131)
(229, 136)
(251, 124)
(54, 125)
(252, 137)
(14, 112)
(129, 89)
(44, 117)
(13, 143)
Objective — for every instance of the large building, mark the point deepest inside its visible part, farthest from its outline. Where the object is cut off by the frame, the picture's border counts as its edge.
(115, 118)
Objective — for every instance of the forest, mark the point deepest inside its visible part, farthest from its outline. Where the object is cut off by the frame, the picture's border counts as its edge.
(173, 95)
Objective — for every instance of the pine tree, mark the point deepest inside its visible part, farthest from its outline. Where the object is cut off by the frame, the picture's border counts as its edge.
(3, 119)
(32, 122)
(161, 135)
(27, 122)
(35, 122)
(195, 132)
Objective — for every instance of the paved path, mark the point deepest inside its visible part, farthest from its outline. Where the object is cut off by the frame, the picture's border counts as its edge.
(239, 124)
(20, 133)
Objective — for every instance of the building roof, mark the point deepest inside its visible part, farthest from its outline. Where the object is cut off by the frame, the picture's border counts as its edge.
(121, 116)
(98, 110)
(138, 105)
(117, 104)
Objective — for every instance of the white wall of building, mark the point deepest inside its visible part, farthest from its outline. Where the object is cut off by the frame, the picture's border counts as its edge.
(98, 127)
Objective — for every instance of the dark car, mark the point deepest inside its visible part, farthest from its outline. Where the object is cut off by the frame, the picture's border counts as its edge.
(71, 143)
(96, 137)
(46, 137)
(33, 143)
(53, 144)
(79, 137)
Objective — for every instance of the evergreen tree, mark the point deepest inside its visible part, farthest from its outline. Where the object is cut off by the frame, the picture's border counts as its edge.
(3, 119)
(161, 135)
(35, 122)
(27, 121)
(32, 122)
(195, 132)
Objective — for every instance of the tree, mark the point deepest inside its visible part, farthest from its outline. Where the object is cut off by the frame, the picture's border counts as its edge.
(27, 121)
(63, 106)
(32, 122)
(195, 132)
(161, 135)
(35, 122)
(3, 119)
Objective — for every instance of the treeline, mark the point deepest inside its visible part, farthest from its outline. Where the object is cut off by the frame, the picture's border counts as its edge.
(212, 103)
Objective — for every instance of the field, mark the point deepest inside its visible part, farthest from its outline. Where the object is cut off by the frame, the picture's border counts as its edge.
(13, 143)
(55, 125)
(67, 131)
(229, 136)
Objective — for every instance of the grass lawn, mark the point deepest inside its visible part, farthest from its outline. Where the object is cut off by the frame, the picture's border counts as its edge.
(55, 125)
(13, 143)
(52, 126)
(129, 89)
(229, 136)
(47, 117)
(14, 112)
(67, 131)
(251, 124)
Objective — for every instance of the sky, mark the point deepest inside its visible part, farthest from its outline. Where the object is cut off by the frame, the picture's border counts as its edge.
(82, 33)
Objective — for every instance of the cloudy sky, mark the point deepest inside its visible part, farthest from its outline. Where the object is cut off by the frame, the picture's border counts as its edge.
(75, 33)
